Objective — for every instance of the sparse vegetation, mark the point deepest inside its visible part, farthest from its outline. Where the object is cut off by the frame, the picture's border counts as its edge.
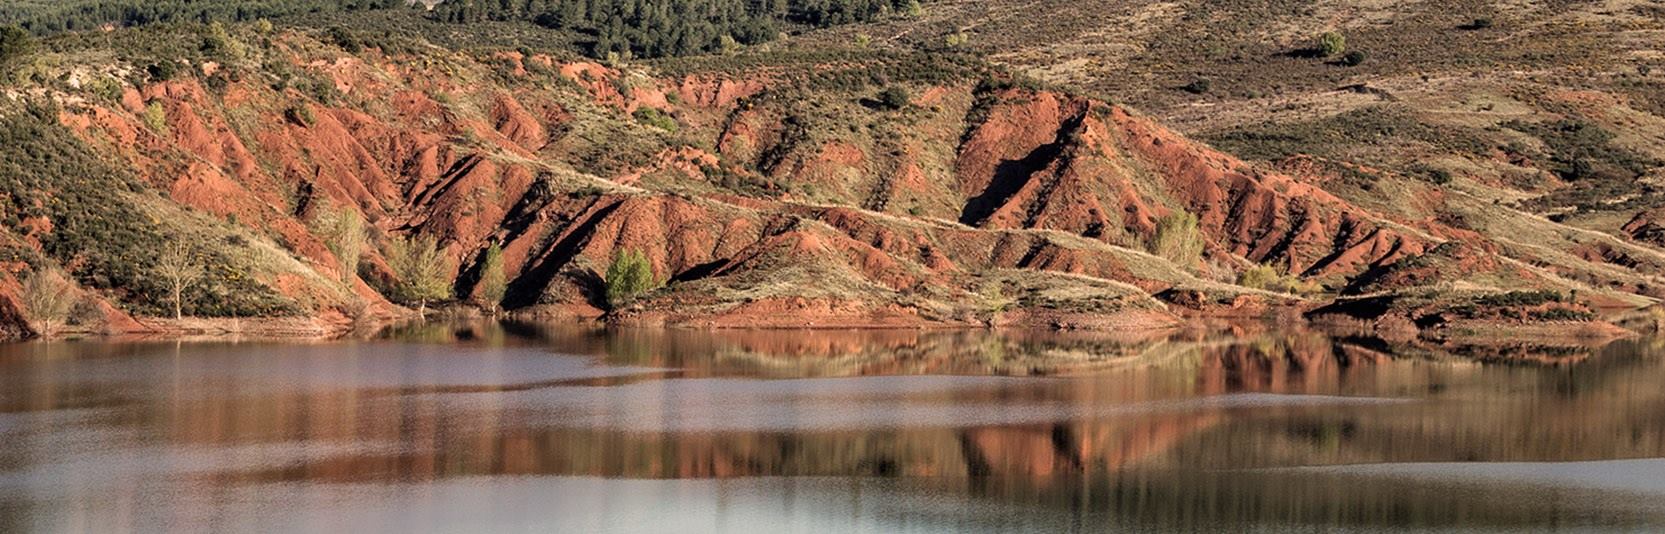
(102, 235)
(1198, 86)
(1178, 240)
(1354, 58)
(630, 275)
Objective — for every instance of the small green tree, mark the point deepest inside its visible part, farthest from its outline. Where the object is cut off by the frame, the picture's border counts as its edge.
(420, 270)
(912, 9)
(48, 296)
(1331, 44)
(1178, 239)
(156, 117)
(895, 97)
(494, 283)
(15, 44)
(217, 41)
(630, 275)
(344, 234)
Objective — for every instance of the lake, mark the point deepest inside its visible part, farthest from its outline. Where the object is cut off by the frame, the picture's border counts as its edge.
(480, 427)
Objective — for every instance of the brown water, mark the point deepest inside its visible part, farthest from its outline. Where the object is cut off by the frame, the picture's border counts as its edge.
(477, 428)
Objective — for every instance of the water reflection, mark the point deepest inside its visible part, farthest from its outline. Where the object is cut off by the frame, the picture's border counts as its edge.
(1206, 429)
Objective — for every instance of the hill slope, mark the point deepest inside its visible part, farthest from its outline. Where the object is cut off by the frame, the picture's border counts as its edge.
(781, 186)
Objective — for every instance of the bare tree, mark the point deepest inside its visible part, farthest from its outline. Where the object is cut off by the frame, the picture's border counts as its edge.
(48, 297)
(180, 268)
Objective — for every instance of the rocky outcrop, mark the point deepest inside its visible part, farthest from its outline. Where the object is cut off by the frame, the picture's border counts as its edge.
(756, 209)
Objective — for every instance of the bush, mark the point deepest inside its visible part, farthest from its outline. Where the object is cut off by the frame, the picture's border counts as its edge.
(218, 42)
(655, 118)
(1354, 58)
(156, 118)
(300, 115)
(1198, 86)
(1522, 298)
(630, 275)
(1266, 277)
(163, 70)
(895, 97)
(47, 298)
(1478, 24)
(15, 44)
(1331, 44)
(1178, 239)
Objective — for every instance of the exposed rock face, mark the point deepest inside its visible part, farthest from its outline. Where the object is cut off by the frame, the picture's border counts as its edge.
(978, 206)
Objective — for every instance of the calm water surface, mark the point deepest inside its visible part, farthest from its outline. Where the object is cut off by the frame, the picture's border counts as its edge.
(480, 428)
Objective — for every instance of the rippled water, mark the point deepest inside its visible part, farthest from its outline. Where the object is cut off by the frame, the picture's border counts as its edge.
(475, 427)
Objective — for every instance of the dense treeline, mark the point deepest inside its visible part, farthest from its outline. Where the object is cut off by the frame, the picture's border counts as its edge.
(658, 28)
(53, 16)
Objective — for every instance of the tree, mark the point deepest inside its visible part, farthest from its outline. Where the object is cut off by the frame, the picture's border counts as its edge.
(180, 269)
(630, 275)
(420, 270)
(48, 297)
(1331, 44)
(344, 234)
(1178, 240)
(895, 97)
(15, 44)
(494, 284)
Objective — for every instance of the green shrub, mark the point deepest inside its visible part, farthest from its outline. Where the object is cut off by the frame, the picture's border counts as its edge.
(1178, 239)
(1198, 86)
(218, 42)
(15, 44)
(1267, 278)
(1258, 277)
(1330, 44)
(156, 118)
(1522, 298)
(895, 97)
(630, 275)
(1563, 314)
(300, 115)
(655, 118)
(1354, 58)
